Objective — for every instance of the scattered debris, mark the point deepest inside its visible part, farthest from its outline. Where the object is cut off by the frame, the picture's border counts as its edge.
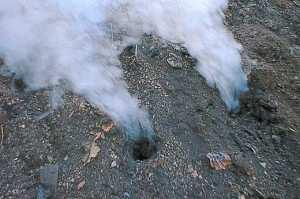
(48, 182)
(80, 185)
(219, 160)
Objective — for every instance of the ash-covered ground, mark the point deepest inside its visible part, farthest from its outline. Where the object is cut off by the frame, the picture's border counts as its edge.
(188, 116)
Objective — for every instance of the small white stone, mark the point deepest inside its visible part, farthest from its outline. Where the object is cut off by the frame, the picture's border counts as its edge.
(127, 195)
(195, 174)
(66, 158)
(113, 164)
(242, 197)
(263, 164)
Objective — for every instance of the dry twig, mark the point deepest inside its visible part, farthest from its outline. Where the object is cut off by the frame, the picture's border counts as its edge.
(2, 135)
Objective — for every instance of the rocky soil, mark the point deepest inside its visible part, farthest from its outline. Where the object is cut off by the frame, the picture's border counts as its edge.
(73, 152)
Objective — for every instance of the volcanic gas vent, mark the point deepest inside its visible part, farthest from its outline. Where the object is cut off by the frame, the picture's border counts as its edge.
(143, 148)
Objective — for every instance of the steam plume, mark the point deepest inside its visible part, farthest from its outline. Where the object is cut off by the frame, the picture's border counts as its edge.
(52, 41)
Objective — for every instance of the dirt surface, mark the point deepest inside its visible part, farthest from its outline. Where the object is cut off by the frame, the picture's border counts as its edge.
(189, 119)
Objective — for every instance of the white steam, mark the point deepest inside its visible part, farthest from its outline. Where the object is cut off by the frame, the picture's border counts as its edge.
(50, 41)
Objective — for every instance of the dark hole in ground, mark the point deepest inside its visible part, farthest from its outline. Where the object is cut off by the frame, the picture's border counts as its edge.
(19, 84)
(143, 149)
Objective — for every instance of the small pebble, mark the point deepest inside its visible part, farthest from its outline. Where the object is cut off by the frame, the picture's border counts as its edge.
(113, 164)
(127, 195)
(195, 174)
(263, 164)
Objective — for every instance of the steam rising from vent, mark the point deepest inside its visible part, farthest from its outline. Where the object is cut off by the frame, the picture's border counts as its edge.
(52, 41)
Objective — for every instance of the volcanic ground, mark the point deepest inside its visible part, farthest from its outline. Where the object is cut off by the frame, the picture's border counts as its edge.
(93, 160)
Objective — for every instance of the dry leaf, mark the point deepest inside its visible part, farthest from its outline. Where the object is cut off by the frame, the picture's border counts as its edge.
(98, 136)
(94, 149)
(104, 129)
(81, 185)
(107, 127)
(219, 161)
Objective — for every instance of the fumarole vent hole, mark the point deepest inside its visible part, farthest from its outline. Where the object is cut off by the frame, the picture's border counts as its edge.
(143, 149)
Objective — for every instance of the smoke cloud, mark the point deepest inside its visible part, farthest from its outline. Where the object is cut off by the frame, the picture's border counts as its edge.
(72, 41)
